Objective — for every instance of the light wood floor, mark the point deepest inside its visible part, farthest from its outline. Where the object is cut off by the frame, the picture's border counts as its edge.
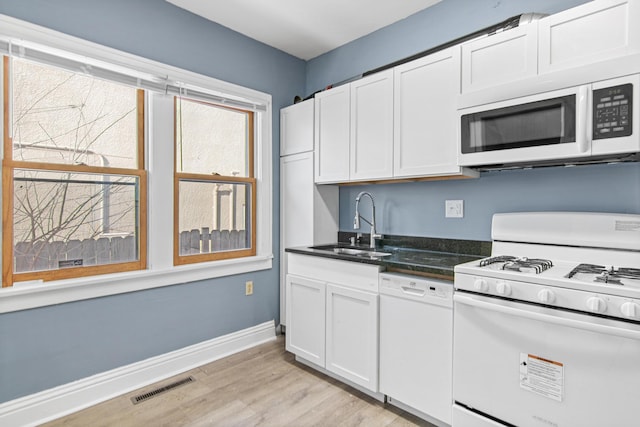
(262, 386)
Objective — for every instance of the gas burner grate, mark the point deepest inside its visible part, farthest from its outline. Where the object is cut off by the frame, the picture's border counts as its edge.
(586, 268)
(524, 265)
(496, 259)
(628, 272)
(602, 274)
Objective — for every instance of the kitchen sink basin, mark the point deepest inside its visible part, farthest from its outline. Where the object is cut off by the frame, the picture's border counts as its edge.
(360, 252)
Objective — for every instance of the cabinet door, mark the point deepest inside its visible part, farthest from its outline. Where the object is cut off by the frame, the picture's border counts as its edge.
(371, 139)
(296, 128)
(352, 335)
(425, 141)
(332, 135)
(296, 211)
(296, 199)
(305, 335)
(500, 58)
(593, 32)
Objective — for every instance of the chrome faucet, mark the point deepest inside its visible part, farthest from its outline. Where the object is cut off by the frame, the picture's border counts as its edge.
(358, 217)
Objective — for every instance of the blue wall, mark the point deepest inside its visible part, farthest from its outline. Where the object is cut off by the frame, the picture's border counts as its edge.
(49, 346)
(417, 209)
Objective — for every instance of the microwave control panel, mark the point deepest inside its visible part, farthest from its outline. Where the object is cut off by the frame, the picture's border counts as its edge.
(612, 111)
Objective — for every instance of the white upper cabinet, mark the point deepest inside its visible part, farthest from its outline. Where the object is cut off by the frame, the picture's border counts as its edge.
(500, 58)
(425, 128)
(332, 133)
(371, 141)
(595, 41)
(401, 123)
(593, 32)
(296, 128)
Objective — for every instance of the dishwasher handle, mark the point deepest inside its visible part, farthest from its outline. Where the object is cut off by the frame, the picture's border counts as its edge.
(561, 321)
(413, 291)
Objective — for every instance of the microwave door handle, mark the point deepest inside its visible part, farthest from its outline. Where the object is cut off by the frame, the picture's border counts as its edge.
(582, 129)
(560, 321)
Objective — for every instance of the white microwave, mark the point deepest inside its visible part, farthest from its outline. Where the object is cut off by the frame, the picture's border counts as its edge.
(587, 123)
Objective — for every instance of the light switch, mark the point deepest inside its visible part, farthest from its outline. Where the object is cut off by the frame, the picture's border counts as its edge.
(454, 208)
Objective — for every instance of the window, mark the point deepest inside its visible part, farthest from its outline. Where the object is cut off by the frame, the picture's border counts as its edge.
(214, 183)
(74, 184)
(89, 147)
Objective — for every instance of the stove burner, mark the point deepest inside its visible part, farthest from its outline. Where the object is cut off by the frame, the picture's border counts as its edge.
(602, 274)
(524, 264)
(605, 277)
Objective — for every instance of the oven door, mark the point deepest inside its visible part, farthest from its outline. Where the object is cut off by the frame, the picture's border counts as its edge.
(541, 127)
(531, 366)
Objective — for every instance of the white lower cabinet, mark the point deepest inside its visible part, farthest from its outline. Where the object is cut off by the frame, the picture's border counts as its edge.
(352, 335)
(306, 318)
(332, 317)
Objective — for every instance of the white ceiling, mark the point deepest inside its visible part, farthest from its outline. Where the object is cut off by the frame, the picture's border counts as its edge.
(304, 28)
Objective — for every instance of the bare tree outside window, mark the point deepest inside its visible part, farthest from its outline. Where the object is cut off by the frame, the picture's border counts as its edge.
(70, 133)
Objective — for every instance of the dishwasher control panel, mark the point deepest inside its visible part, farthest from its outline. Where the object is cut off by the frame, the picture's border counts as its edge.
(416, 287)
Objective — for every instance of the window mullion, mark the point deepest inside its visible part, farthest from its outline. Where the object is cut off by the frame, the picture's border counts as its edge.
(61, 167)
(213, 178)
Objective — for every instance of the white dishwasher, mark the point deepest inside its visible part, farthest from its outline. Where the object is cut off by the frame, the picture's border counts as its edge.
(416, 327)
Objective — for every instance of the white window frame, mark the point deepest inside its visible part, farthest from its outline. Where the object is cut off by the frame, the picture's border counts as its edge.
(159, 162)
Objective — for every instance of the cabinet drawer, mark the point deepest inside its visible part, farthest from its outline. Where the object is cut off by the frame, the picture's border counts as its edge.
(352, 274)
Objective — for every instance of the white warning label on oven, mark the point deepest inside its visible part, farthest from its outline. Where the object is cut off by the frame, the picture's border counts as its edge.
(542, 376)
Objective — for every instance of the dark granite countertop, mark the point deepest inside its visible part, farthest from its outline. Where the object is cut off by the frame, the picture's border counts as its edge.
(418, 255)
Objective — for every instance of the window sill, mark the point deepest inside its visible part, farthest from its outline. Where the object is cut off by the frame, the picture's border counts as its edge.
(27, 295)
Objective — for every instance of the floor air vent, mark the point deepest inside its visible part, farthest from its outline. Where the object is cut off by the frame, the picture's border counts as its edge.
(153, 393)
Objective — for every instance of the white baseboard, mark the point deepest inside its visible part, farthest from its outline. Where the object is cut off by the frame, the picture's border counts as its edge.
(54, 403)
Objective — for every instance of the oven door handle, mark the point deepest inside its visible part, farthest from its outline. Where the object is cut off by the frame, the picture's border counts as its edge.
(572, 323)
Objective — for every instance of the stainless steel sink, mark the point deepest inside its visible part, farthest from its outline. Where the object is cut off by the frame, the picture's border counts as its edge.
(360, 252)
(365, 253)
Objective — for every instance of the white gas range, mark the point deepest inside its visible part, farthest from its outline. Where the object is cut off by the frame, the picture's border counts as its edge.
(547, 330)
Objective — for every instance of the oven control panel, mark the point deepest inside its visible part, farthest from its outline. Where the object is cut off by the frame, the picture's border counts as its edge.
(612, 111)
(554, 296)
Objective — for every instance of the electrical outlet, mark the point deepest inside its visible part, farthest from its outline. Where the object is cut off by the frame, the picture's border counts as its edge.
(248, 288)
(454, 208)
